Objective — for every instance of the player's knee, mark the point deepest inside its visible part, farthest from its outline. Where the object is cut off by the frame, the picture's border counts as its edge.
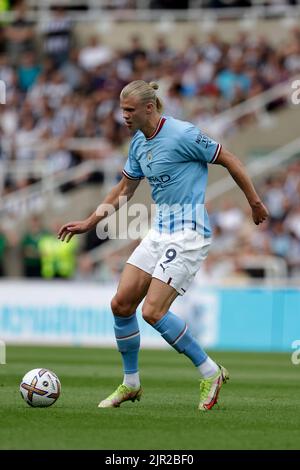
(121, 308)
(151, 312)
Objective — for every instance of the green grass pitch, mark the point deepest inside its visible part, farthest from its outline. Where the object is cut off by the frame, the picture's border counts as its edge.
(259, 408)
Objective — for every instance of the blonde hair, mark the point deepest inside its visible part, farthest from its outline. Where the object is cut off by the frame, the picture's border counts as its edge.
(143, 90)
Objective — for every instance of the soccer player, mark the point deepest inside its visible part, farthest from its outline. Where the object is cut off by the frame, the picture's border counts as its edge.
(173, 156)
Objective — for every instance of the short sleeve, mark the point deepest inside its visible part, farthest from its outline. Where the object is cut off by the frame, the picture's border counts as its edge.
(132, 169)
(195, 145)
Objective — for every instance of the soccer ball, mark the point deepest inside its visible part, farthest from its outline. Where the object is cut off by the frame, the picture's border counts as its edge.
(40, 387)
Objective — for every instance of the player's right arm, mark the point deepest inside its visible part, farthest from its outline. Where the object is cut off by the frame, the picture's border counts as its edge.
(119, 194)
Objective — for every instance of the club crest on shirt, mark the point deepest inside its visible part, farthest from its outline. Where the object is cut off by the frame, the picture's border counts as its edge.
(149, 156)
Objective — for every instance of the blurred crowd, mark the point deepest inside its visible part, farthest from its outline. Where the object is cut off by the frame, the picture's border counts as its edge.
(240, 250)
(58, 90)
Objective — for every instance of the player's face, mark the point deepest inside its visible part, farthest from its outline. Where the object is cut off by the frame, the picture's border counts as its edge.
(135, 112)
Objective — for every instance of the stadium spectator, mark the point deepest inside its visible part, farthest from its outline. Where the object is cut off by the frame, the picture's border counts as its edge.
(173, 101)
(20, 35)
(280, 240)
(3, 246)
(135, 50)
(161, 52)
(7, 73)
(2, 40)
(8, 241)
(57, 262)
(275, 198)
(71, 71)
(27, 136)
(94, 54)
(57, 34)
(232, 81)
(28, 71)
(30, 248)
(293, 256)
(230, 217)
(292, 222)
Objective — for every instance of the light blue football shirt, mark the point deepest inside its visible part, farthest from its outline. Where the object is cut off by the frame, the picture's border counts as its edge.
(174, 160)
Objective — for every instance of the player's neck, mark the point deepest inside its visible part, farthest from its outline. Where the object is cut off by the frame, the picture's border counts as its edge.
(149, 129)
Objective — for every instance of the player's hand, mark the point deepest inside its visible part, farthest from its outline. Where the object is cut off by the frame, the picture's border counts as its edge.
(259, 213)
(67, 231)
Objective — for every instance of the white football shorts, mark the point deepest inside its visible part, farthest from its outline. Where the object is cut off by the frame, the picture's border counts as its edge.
(173, 258)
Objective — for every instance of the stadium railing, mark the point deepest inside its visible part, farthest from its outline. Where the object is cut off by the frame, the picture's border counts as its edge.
(259, 167)
(198, 10)
(258, 104)
(33, 198)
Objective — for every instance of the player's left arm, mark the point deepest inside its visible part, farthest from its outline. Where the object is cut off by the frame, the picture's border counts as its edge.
(240, 176)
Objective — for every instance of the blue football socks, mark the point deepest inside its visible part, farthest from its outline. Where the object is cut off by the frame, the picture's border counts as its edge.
(174, 330)
(128, 340)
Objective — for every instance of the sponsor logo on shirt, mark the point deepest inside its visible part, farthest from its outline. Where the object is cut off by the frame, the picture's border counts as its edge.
(159, 179)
